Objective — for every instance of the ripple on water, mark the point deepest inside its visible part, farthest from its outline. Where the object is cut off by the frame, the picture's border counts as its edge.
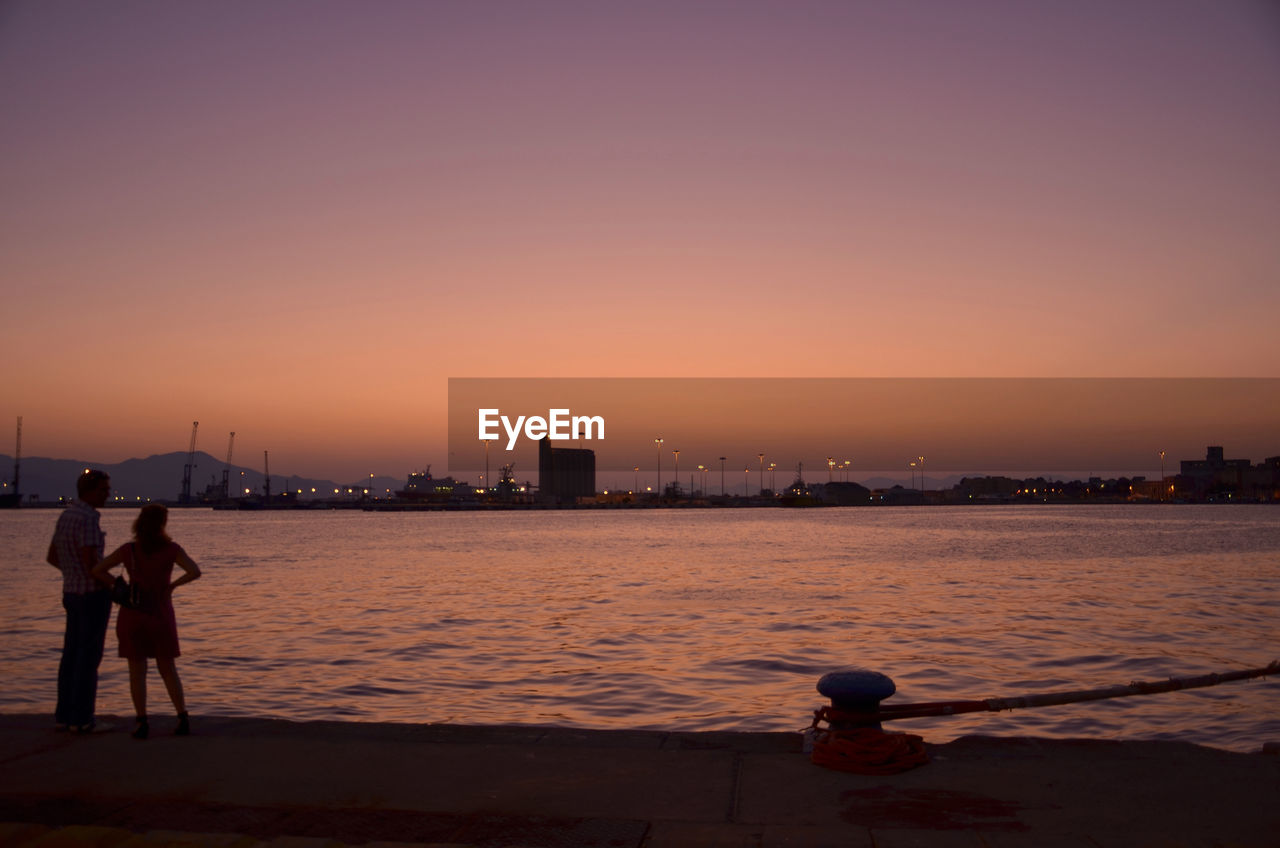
(707, 620)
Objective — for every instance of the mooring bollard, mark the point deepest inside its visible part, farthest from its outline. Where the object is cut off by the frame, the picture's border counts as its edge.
(855, 690)
(853, 740)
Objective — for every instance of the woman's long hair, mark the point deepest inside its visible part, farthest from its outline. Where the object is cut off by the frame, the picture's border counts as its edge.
(148, 528)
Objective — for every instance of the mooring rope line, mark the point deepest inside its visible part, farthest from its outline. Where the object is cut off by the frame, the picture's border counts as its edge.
(853, 741)
(888, 712)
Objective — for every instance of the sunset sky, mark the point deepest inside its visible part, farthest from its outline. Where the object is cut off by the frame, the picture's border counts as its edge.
(297, 220)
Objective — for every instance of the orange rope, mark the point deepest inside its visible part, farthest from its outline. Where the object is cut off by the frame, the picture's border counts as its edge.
(864, 750)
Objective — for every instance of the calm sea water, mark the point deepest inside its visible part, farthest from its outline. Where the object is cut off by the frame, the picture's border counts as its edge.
(696, 619)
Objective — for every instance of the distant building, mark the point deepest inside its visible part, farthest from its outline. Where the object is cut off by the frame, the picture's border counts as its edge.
(1213, 473)
(897, 496)
(843, 494)
(1266, 478)
(565, 474)
(1152, 490)
(1215, 477)
(987, 488)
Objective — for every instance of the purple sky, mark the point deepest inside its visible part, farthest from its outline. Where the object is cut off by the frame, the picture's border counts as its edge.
(296, 220)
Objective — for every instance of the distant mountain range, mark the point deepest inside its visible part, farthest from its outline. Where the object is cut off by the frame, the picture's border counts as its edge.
(160, 478)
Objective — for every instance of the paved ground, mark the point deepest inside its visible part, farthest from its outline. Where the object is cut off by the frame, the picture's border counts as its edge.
(237, 783)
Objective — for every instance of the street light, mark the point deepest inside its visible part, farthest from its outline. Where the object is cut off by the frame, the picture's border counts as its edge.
(746, 482)
(677, 480)
(760, 456)
(636, 490)
(831, 467)
(921, 458)
(658, 442)
(722, 459)
(773, 477)
(1162, 474)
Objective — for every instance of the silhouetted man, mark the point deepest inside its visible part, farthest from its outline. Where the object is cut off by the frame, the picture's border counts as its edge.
(78, 545)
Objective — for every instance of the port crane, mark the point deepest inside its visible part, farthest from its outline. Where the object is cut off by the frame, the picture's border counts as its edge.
(226, 469)
(14, 498)
(185, 497)
(17, 457)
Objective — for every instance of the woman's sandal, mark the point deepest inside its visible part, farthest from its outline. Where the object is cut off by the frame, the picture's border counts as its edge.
(141, 730)
(184, 725)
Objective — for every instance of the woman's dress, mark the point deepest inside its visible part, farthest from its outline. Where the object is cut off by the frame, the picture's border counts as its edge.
(150, 629)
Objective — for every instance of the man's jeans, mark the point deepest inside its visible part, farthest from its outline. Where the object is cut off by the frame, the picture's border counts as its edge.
(87, 617)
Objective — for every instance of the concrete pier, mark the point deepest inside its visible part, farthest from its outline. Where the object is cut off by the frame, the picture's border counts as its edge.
(240, 783)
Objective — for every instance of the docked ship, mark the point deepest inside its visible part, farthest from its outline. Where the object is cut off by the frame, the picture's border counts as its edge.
(421, 486)
(799, 493)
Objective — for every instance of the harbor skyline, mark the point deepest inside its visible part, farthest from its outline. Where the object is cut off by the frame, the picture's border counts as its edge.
(48, 481)
(879, 424)
(849, 429)
(297, 222)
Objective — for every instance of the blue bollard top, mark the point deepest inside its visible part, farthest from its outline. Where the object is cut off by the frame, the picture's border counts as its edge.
(854, 687)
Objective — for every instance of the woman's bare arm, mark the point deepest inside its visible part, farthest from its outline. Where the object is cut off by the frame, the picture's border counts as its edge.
(190, 571)
(102, 571)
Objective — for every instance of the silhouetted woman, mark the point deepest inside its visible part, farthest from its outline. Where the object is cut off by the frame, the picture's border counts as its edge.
(150, 629)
